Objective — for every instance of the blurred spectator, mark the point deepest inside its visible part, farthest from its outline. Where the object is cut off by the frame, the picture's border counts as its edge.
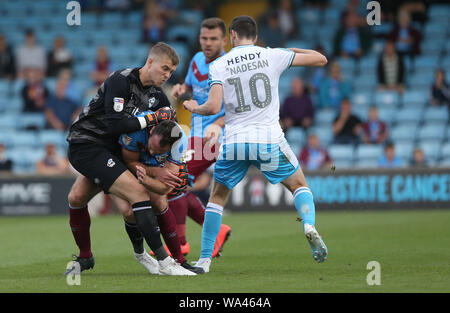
(102, 66)
(288, 20)
(30, 54)
(374, 130)
(319, 4)
(60, 111)
(271, 33)
(154, 24)
(346, 126)
(391, 69)
(59, 57)
(407, 38)
(440, 91)
(418, 160)
(389, 159)
(333, 88)
(351, 40)
(297, 109)
(353, 8)
(7, 65)
(34, 92)
(52, 163)
(5, 163)
(313, 156)
(72, 92)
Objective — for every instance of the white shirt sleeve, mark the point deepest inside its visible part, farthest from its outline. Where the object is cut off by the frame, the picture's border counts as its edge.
(282, 58)
(214, 75)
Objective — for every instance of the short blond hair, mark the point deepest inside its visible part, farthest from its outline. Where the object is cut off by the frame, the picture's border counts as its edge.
(162, 49)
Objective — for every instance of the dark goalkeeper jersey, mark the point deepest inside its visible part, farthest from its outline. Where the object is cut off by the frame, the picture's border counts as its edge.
(120, 97)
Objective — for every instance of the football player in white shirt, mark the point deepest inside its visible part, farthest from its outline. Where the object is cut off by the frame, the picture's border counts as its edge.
(247, 80)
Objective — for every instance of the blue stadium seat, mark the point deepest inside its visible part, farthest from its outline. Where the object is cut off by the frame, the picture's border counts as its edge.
(431, 150)
(415, 98)
(348, 66)
(408, 115)
(35, 120)
(325, 33)
(367, 163)
(445, 163)
(308, 32)
(367, 152)
(404, 132)
(295, 135)
(325, 134)
(308, 16)
(445, 150)
(422, 63)
(364, 82)
(387, 115)
(332, 16)
(432, 132)
(325, 117)
(302, 44)
(343, 163)
(368, 64)
(445, 63)
(382, 30)
(439, 13)
(341, 152)
(8, 122)
(436, 114)
(420, 80)
(52, 136)
(404, 149)
(182, 33)
(387, 99)
(361, 112)
(26, 139)
(362, 99)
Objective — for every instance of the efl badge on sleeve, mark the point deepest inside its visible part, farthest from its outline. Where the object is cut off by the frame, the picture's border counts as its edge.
(118, 104)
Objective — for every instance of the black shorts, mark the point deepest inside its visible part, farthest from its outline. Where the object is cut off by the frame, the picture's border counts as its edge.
(97, 163)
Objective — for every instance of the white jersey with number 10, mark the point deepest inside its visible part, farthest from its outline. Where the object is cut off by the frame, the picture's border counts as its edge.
(249, 76)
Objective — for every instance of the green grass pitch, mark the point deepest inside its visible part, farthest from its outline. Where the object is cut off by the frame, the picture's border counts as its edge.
(267, 252)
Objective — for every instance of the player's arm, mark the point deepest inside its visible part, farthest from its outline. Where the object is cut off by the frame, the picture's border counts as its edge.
(306, 57)
(164, 176)
(154, 184)
(210, 107)
(120, 122)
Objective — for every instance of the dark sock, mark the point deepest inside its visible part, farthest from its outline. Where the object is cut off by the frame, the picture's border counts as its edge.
(179, 208)
(148, 226)
(136, 237)
(196, 210)
(168, 226)
(80, 222)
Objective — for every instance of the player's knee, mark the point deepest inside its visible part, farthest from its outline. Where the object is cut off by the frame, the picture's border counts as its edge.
(76, 199)
(128, 214)
(159, 203)
(138, 194)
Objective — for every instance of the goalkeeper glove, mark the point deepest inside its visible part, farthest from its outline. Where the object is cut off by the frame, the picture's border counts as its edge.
(162, 114)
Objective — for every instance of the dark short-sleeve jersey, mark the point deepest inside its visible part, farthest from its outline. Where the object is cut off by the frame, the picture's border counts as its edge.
(121, 96)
